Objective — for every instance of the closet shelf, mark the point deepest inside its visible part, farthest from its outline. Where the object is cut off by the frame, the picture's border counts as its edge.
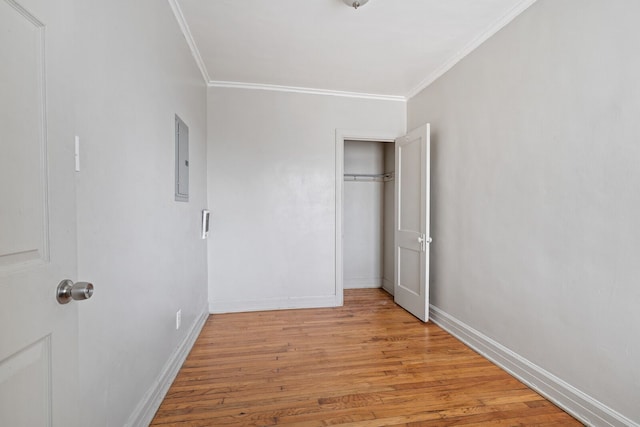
(365, 177)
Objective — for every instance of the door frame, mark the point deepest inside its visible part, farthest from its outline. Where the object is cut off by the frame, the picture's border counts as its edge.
(341, 136)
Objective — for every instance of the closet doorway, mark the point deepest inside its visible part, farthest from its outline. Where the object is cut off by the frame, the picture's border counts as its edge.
(382, 216)
(364, 211)
(367, 213)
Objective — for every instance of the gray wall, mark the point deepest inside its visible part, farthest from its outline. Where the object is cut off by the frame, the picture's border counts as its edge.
(536, 200)
(140, 248)
(271, 184)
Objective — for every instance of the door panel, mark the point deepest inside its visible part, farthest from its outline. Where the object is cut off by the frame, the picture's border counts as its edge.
(410, 187)
(409, 277)
(23, 209)
(24, 377)
(411, 288)
(38, 336)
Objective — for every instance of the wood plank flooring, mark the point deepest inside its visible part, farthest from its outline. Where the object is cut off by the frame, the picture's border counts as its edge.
(366, 364)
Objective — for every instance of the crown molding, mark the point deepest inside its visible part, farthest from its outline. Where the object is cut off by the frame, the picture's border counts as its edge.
(307, 90)
(470, 47)
(432, 77)
(184, 27)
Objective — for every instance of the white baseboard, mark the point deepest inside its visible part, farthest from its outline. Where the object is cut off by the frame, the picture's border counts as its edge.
(149, 404)
(217, 307)
(363, 283)
(582, 406)
(387, 285)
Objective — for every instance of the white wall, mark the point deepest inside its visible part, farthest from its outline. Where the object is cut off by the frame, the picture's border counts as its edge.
(271, 184)
(535, 200)
(363, 207)
(138, 246)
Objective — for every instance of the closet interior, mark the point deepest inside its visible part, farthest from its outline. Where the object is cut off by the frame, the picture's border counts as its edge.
(368, 214)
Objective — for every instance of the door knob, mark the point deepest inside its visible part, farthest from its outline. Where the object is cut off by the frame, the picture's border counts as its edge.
(67, 290)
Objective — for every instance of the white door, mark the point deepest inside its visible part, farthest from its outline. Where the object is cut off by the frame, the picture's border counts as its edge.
(411, 287)
(38, 336)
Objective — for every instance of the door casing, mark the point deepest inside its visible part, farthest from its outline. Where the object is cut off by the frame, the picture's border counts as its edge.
(341, 136)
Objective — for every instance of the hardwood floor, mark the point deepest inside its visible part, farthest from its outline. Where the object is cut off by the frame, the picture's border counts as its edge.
(366, 364)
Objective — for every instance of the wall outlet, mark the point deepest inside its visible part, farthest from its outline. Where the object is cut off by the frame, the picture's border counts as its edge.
(178, 319)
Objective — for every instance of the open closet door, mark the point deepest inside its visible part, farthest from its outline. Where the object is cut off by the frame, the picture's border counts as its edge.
(411, 287)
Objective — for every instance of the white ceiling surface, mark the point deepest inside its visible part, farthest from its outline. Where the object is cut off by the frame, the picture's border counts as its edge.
(386, 48)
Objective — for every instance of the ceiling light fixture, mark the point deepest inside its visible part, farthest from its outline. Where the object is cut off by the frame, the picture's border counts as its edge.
(355, 3)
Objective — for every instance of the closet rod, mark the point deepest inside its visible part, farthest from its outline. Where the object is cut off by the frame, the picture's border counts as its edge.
(368, 177)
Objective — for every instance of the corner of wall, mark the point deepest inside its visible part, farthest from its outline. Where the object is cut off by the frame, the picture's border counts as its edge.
(146, 409)
(580, 405)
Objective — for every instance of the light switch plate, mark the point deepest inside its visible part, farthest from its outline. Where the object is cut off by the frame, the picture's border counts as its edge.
(77, 153)
(205, 223)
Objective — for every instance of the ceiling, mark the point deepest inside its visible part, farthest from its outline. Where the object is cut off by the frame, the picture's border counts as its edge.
(388, 49)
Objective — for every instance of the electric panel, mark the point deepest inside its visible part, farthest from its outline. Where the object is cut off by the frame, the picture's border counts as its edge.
(182, 161)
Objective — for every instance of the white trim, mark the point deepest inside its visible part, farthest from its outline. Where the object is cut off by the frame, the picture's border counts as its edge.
(268, 304)
(470, 47)
(184, 27)
(339, 168)
(582, 406)
(363, 283)
(341, 136)
(26, 14)
(149, 404)
(307, 90)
